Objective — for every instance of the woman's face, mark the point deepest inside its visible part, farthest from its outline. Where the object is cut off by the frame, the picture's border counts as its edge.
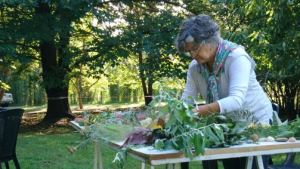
(202, 54)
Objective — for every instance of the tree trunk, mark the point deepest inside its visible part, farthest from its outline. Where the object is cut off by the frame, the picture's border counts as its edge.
(150, 91)
(29, 101)
(147, 87)
(79, 89)
(290, 96)
(101, 97)
(57, 95)
(1, 94)
(58, 104)
(135, 95)
(284, 93)
(79, 95)
(54, 76)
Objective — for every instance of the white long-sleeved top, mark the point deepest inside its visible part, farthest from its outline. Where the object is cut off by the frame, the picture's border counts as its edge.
(238, 87)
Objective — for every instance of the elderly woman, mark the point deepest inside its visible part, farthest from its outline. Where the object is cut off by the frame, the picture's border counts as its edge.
(222, 73)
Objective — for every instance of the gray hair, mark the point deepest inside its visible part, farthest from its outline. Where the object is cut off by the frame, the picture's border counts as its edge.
(200, 29)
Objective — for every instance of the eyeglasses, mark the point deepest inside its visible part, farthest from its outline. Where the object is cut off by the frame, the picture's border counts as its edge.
(192, 52)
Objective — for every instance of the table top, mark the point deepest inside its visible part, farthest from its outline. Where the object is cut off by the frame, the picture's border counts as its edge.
(156, 157)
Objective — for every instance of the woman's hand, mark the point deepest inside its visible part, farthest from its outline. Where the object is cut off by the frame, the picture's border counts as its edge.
(201, 110)
(207, 109)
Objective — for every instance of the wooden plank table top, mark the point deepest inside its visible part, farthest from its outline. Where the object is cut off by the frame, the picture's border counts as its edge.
(156, 157)
(152, 156)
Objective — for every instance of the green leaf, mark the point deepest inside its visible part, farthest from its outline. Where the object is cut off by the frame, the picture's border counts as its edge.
(219, 132)
(174, 144)
(199, 143)
(286, 134)
(214, 140)
(159, 144)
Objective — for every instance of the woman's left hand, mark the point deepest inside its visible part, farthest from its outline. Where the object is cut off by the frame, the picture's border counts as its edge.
(207, 109)
(201, 110)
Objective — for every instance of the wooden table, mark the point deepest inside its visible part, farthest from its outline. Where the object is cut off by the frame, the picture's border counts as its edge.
(153, 157)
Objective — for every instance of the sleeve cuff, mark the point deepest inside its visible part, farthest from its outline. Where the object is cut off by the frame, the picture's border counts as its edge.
(220, 106)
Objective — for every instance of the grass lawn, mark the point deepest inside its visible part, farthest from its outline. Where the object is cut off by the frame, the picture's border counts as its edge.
(48, 150)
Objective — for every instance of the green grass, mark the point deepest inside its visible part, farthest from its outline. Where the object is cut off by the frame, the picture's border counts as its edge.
(36, 151)
(49, 151)
(41, 150)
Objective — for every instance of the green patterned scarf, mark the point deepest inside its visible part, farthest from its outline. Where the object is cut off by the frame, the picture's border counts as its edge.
(224, 48)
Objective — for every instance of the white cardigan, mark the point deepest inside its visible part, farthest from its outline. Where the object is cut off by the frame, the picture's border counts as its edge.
(237, 86)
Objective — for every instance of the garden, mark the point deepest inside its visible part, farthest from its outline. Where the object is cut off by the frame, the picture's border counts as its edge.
(109, 71)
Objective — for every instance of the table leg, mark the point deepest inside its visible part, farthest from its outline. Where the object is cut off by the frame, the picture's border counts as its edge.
(151, 167)
(143, 165)
(249, 162)
(97, 156)
(177, 166)
(169, 166)
(173, 166)
(260, 163)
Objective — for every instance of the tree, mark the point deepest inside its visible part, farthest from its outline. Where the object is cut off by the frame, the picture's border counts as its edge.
(41, 30)
(147, 32)
(277, 31)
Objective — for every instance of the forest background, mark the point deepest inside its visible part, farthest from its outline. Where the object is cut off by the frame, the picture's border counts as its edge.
(62, 52)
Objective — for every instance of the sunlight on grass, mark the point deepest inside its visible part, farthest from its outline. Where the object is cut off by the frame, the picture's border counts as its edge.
(87, 107)
(50, 151)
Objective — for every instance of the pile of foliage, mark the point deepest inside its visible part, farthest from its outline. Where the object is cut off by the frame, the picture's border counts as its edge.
(170, 123)
(191, 134)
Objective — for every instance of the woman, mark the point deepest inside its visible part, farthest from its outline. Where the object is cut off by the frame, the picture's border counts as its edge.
(222, 73)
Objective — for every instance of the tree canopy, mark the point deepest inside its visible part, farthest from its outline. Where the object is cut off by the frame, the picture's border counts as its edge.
(62, 40)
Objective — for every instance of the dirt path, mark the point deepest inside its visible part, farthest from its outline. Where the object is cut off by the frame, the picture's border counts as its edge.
(34, 115)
